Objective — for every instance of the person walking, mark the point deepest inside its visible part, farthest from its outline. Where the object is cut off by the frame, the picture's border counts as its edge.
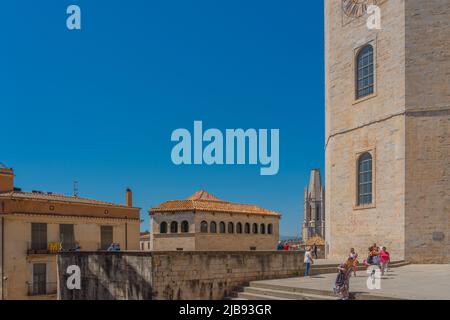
(384, 260)
(308, 261)
(342, 283)
(315, 252)
(354, 256)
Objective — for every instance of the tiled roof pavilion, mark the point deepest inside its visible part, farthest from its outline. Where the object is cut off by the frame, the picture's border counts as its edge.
(204, 201)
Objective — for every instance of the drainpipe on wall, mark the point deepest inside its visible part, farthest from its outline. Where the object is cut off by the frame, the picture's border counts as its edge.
(129, 204)
(126, 235)
(3, 256)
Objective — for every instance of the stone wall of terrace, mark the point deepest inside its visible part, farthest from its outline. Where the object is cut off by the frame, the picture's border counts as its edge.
(171, 275)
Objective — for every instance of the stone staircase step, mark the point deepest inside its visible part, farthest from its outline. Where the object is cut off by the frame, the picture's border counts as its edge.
(260, 290)
(299, 290)
(288, 294)
(254, 296)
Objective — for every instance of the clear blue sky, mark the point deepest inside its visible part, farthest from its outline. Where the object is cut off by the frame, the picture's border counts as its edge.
(99, 105)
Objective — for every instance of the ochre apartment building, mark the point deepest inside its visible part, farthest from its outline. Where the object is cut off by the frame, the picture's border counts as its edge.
(35, 226)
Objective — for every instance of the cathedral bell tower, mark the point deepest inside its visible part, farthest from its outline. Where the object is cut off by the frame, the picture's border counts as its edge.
(314, 208)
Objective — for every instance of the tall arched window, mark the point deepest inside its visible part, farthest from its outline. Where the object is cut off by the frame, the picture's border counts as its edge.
(318, 212)
(365, 179)
(230, 227)
(255, 228)
(174, 227)
(204, 227)
(270, 229)
(247, 228)
(365, 76)
(163, 227)
(213, 227)
(262, 228)
(185, 227)
(222, 227)
(239, 228)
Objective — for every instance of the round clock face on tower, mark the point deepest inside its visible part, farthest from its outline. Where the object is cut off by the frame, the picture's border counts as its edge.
(356, 8)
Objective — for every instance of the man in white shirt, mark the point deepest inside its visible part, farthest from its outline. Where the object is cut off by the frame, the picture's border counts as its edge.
(308, 261)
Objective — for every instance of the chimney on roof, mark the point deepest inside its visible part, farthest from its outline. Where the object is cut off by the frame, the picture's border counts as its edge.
(6, 179)
(129, 198)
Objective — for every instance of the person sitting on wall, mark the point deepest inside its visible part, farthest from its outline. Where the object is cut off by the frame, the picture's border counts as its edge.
(280, 246)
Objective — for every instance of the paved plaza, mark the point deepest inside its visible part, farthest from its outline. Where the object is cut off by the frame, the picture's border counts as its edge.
(412, 282)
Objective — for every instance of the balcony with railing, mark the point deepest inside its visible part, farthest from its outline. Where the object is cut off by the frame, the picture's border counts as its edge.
(43, 248)
(41, 288)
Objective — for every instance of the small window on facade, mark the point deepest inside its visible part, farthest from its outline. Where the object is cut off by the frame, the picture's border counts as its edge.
(39, 285)
(247, 228)
(262, 228)
(213, 227)
(185, 227)
(365, 76)
(239, 228)
(230, 227)
(66, 236)
(204, 227)
(270, 229)
(255, 228)
(365, 179)
(106, 236)
(174, 227)
(39, 236)
(163, 227)
(222, 227)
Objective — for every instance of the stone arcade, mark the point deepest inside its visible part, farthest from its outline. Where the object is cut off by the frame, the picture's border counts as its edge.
(203, 222)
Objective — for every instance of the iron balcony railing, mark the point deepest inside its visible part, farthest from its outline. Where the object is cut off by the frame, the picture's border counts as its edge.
(43, 248)
(51, 248)
(42, 288)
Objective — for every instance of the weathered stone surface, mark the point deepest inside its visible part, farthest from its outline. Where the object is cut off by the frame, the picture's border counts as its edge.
(405, 126)
(209, 275)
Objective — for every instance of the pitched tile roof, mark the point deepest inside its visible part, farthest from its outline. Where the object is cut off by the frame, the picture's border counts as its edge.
(203, 201)
(55, 197)
(203, 195)
(315, 240)
(144, 235)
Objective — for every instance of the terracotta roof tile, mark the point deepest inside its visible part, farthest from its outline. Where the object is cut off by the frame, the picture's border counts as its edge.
(55, 197)
(203, 201)
(316, 240)
(203, 195)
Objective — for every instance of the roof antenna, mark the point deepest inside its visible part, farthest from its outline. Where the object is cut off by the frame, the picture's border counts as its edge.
(75, 189)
